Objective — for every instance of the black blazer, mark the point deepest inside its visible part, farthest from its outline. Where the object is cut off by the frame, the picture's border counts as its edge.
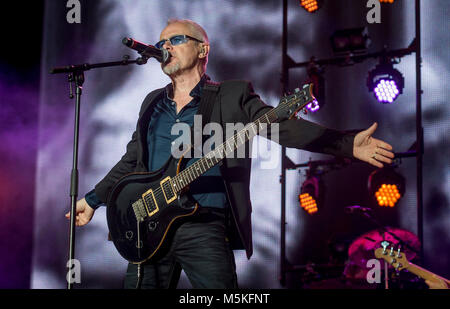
(236, 102)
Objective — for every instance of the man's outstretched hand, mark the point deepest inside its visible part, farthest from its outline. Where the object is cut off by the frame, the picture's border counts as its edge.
(372, 150)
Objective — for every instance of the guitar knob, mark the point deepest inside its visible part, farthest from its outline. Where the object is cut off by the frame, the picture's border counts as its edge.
(305, 111)
(152, 225)
(129, 235)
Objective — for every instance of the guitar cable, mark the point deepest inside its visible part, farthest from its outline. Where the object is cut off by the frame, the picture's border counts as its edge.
(139, 274)
(139, 277)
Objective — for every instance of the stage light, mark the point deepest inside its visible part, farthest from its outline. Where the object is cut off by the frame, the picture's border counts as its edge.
(311, 5)
(385, 82)
(311, 194)
(387, 1)
(346, 41)
(315, 76)
(314, 106)
(386, 186)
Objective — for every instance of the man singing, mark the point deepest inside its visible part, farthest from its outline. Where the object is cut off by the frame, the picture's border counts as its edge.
(202, 247)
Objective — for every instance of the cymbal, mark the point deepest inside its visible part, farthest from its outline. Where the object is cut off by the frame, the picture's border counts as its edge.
(362, 249)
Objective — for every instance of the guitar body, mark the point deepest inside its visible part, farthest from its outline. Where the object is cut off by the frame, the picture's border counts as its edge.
(140, 231)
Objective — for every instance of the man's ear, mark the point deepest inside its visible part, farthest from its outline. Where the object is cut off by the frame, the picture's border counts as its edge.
(204, 51)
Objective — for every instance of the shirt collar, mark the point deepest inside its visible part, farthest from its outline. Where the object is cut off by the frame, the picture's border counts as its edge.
(196, 92)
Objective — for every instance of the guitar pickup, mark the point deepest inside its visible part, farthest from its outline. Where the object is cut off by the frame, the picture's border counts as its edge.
(149, 201)
(167, 189)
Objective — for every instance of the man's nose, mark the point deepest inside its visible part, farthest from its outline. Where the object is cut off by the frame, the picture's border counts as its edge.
(167, 45)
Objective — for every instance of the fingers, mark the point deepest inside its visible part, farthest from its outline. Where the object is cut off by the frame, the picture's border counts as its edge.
(381, 158)
(78, 220)
(381, 151)
(376, 163)
(384, 145)
(378, 156)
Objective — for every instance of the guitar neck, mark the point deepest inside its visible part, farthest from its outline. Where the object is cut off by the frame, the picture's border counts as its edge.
(424, 274)
(286, 109)
(212, 158)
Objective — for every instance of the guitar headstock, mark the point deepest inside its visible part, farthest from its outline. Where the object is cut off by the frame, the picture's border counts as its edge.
(290, 104)
(394, 257)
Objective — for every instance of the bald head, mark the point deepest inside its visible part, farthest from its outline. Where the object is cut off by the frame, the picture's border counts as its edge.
(196, 30)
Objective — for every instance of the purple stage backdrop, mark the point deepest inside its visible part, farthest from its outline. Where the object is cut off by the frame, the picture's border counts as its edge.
(245, 44)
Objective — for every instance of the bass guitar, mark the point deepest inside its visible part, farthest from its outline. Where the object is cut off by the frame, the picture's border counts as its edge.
(399, 261)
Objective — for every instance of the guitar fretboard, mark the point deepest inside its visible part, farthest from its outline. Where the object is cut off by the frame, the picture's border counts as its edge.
(227, 148)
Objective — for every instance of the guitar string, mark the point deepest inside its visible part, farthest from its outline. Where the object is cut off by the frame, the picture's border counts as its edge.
(192, 169)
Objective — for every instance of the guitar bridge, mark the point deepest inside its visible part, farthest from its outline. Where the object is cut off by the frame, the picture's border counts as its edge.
(139, 210)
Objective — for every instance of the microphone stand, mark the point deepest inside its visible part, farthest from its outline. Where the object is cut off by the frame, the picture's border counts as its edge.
(76, 76)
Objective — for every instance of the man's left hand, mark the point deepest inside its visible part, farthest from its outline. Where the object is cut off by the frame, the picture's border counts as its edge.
(372, 150)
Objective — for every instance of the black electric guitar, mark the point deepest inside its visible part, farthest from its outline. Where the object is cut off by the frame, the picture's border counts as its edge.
(143, 209)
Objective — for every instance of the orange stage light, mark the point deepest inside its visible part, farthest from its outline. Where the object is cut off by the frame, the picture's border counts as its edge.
(310, 5)
(386, 186)
(308, 203)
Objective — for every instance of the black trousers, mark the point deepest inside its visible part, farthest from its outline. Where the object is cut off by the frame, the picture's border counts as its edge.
(201, 248)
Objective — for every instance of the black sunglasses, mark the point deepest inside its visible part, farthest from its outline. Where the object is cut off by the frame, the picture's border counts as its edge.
(176, 40)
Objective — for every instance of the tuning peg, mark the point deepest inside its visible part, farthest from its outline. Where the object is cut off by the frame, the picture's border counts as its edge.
(391, 253)
(399, 255)
(384, 244)
(297, 90)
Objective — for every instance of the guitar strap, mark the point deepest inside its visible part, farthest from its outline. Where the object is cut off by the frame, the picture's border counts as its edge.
(209, 95)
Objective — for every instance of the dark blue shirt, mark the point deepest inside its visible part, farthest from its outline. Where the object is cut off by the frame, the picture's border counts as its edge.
(209, 189)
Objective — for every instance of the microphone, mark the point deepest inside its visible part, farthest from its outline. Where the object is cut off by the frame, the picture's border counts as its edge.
(357, 209)
(162, 55)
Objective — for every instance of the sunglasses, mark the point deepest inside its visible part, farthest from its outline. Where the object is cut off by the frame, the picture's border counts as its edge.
(176, 40)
